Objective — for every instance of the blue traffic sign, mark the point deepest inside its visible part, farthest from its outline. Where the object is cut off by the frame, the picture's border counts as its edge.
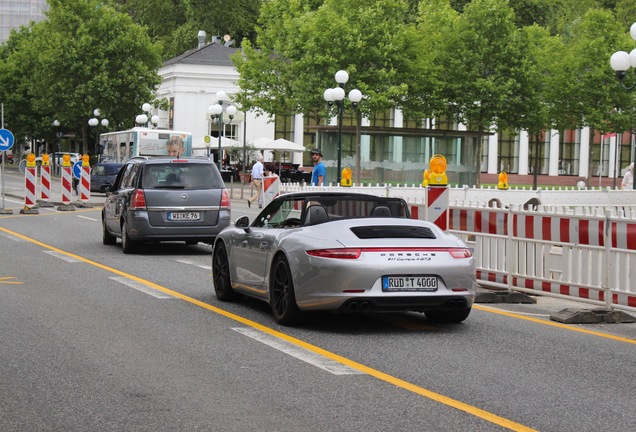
(77, 170)
(6, 139)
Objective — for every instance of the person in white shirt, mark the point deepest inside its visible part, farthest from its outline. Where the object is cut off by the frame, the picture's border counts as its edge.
(257, 182)
(628, 179)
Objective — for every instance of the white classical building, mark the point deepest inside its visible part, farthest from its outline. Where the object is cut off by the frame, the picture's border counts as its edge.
(191, 82)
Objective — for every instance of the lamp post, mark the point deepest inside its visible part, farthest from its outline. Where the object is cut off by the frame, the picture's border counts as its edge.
(146, 119)
(56, 146)
(336, 96)
(621, 61)
(216, 111)
(94, 122)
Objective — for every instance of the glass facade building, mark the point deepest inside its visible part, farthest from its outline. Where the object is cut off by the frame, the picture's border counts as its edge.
(16, 13)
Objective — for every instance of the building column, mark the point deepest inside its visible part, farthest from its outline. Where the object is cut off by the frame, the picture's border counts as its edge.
(584, 156)
(553, 161)
(524, 152)
(299, 125)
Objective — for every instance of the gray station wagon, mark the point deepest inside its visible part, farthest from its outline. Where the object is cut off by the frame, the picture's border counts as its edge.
(165, 199)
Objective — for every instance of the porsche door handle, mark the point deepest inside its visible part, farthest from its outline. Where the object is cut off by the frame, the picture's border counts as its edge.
(264, 246)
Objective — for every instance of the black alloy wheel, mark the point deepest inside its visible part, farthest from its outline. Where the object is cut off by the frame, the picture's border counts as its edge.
(282, 297)
(221, 275)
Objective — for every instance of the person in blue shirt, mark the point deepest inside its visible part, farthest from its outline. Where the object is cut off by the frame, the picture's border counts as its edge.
(257, 182)
(319, 174)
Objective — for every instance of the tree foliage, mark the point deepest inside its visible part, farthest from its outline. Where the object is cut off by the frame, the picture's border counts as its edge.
(83, 56)
(175, 23)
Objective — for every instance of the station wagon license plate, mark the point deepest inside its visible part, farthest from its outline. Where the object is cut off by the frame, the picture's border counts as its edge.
(184, 216)
(409, 283)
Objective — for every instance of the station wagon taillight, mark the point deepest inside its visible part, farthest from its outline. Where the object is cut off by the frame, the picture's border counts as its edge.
(225, 199)
(138, 200)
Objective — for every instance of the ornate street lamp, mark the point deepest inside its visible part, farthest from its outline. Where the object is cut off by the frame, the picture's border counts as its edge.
(216, 111)
(94, 122)
(337, 96)
(621, 61)
(146, 119)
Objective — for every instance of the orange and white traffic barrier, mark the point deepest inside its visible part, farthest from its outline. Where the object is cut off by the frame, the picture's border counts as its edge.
(271, 189)
(45, 178)
(67, 179)
(85, 180)
(30, 182)
(437, 205)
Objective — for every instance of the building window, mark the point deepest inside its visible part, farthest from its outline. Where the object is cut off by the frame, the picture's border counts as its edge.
(539, 153)
(377, 119)
(284, 127)
(569, 152)
(508, 152)
(230, 131)
(311, 120)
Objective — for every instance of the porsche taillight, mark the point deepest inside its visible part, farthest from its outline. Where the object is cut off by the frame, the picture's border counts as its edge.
(225, 199)
(344, 253)
(460, 252)
(354, 253)
(138, 200)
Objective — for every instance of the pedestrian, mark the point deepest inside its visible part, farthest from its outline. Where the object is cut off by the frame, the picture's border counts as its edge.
(319, 174)
(628, 179)
(257, 182)
(270, 170)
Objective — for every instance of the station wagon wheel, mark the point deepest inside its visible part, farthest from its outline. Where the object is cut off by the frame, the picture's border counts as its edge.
(221, 275)
(282, 298)
(451, 316)
(128, 246)
(107, 238)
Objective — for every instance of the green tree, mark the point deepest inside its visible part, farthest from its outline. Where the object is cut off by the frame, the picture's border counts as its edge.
(586, 90)
(481, 55)
(85, 55)
(174, 24)
(301, 47)
(20, 116)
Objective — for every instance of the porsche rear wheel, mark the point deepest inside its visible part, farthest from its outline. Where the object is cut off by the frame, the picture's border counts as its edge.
(451, 316)
(221, 275)
(282, 297)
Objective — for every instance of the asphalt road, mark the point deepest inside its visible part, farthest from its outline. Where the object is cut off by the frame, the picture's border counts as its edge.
(92, 339)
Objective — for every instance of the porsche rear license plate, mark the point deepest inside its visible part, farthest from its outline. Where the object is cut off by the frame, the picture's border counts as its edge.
(409, 283)
(184, 216)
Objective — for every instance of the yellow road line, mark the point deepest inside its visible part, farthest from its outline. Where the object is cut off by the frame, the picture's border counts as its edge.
(437, 397)
(6, 280)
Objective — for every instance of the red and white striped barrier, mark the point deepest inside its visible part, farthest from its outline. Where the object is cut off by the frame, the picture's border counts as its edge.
(45, 182)
(85, 182)
(559, 229)
(591, 258)
(479, 220)
(437, 205)
(271, 189)
(67, 184)
(30, 181)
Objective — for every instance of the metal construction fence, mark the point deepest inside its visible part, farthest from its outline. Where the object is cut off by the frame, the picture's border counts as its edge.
(586, 253)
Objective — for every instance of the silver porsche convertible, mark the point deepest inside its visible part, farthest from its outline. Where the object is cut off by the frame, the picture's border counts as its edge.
(345, 252)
